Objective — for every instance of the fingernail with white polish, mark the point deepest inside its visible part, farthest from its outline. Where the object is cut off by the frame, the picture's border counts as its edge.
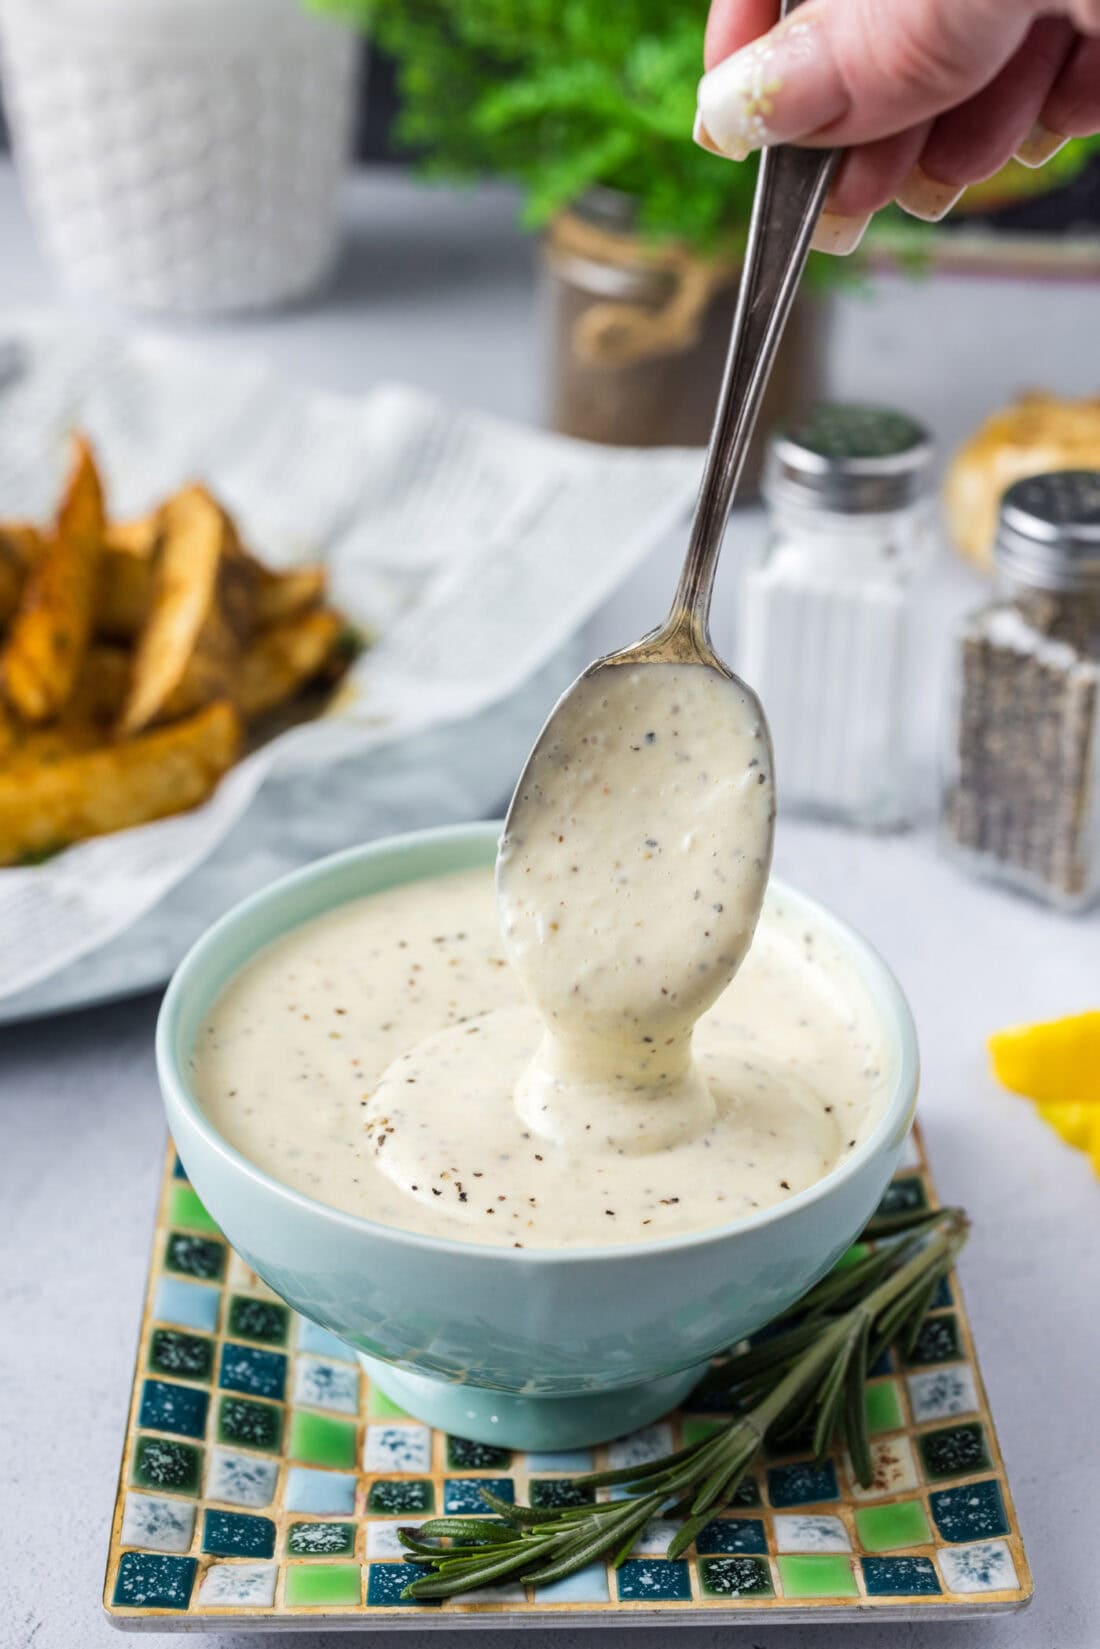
(1039, 146)
(776, 89)
(703, 138)
(923, 197)
(838, 235)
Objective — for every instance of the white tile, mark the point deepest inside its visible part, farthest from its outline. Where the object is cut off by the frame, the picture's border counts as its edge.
(512, 1593)
(243, 1585)
(398, 1449)
(309, 1489)
(640, 1447)
(383, 1541)
(312, 1337)
(323, 1385)
(573, 1461)
(941, 1393)
(655, 1537)
(588, 1585)
(158, 1525)
(893, 1469)
(910, 1153)
(807, 1533)
(985, 1568)
(240, 1479)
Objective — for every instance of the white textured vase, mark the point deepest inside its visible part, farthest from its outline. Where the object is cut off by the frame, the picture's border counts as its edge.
(181, 155)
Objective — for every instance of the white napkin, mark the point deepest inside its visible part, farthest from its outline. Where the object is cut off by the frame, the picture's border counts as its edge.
(475, 548)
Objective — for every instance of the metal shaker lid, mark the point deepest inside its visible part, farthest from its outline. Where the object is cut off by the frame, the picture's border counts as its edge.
(1048, 530)
(851, 459)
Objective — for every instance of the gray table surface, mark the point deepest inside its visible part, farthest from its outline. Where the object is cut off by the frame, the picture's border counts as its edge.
(436, 289)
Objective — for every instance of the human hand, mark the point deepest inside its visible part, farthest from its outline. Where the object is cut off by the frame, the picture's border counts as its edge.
(926, 96)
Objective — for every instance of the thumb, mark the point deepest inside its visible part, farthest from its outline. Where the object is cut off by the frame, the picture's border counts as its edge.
(852, 71)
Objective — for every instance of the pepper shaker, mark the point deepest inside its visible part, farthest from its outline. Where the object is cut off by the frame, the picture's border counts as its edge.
(1020, 773)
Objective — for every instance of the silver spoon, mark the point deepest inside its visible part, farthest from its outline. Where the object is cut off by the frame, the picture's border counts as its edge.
(790, 193)
(634, 861)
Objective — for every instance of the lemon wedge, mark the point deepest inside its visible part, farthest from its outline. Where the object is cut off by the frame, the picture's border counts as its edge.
(1056, 1064)
(1053, 1062)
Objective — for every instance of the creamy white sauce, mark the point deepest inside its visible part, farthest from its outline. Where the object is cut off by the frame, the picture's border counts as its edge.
(542, 1086)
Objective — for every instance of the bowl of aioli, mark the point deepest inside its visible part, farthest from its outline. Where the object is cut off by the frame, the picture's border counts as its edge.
(537, 1348)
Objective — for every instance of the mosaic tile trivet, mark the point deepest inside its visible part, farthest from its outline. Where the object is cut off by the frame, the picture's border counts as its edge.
(263, 1480)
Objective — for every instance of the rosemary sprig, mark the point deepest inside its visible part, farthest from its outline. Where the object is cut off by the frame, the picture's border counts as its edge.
(807, 1375)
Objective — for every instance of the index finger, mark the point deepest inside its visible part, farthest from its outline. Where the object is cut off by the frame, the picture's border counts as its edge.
(736, 23)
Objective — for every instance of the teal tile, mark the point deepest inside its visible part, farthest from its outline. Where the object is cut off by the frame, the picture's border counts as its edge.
(654, 1580)
(900, 1577)
(237, 1534)
(732, 1534)
(256, 1373)
(166, 1406)
(386, 1582)
(973, 1511)
(463, 1494)
(803, 1483)
(147, 1582)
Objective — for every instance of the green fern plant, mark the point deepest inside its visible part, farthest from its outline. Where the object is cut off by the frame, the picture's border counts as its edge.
(561, 95)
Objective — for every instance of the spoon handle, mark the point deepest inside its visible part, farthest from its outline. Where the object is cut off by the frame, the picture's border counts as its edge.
(790, 192)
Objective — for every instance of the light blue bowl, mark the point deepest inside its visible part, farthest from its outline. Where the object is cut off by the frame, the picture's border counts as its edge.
(533, 1349)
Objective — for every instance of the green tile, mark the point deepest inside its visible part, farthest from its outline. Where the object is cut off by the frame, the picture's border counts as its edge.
(695, 1429)
(882, 1406)
(188, 1356)
(379, 1406)
(186, 1208)
(736, 1577)
(193, 1256)
(320, 1539)
(939, 1341)
(817, 1574)
(954, 1451)
(321, 1439)
(314, 1583)
(163, 1463)
(885, 1528)
(255, 1425)
(401, 1499)
(264, 1320)
(546, 1492)
(463, 1454)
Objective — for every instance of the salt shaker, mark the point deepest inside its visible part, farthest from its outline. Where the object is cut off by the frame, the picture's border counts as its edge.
(825, 610)
(1020, 778)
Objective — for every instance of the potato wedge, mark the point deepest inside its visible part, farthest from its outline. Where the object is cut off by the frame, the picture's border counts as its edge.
(50, 631)
(283, 659)
(136, 537)
(45, 807)
(126, 579)
(187, 627)
(20, 545)
(282, 595)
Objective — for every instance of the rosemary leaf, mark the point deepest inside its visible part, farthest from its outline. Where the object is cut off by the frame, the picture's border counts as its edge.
(813, 1365)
